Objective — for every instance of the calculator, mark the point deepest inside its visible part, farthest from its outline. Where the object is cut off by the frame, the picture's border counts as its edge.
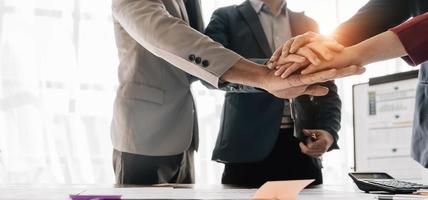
(379, 181)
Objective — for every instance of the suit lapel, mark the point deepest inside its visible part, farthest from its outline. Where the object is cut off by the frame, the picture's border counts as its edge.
(253, 21)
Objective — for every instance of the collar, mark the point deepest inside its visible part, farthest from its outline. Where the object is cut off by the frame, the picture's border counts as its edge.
(260, 6)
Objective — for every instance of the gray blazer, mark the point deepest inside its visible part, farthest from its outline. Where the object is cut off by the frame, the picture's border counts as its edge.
(154, 110)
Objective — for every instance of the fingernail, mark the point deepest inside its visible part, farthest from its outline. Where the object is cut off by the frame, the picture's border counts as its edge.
(270, 65)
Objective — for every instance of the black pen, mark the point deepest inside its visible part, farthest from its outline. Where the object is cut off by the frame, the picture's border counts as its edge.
(384, 197)
(399, 197)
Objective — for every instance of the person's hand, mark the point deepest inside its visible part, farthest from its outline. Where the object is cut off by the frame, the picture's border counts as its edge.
(349, 56)
(318, 142)
(299, 84)
(313, 46)
(248, 73)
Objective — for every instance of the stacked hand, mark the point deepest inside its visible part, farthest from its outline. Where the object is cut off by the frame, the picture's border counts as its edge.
(298, 67)
(244, 72)
(311, 53)
(298, 84)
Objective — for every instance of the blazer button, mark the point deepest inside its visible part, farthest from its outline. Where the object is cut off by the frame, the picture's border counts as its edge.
(198, 60)
(192, 57)
(205, 63)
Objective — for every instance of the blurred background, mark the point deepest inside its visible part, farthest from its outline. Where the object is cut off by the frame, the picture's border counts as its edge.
(58, 74)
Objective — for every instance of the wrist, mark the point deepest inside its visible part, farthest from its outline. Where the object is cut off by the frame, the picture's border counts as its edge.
(356, 55)
(247, 73)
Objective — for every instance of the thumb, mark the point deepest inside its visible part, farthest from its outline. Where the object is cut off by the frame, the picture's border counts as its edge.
(307, 132)
(316, 90)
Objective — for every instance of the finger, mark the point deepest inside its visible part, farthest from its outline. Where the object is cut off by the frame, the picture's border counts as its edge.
(315, 147)
(305, 150)
(316, 90)
(309, 54)
(307, 132)
(301, 40)
(270, 65)
(291, 58)
(321, 50)
(281, 69)
(275, 57)
(318, 145)
(319, 77)
(293, 68)
(313, 68)
(286, 47)
(290, 70)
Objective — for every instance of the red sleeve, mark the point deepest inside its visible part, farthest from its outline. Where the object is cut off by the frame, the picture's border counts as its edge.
(413, 35)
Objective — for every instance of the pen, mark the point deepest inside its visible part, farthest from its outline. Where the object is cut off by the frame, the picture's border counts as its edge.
(400, 197)
(95, 197)
(385, 197)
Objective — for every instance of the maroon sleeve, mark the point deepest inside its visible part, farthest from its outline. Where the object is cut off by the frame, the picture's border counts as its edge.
(413, 35)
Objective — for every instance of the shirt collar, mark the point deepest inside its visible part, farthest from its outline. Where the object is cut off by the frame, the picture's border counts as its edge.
(259, 6)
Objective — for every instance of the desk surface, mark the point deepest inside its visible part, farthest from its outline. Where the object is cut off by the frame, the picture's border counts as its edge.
(62, 192)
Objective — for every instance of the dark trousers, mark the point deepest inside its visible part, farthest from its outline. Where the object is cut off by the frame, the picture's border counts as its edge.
(133, 169)
(285, 162)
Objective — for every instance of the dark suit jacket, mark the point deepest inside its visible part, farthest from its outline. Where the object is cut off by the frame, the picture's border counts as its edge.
(376, 17)
(251, 121)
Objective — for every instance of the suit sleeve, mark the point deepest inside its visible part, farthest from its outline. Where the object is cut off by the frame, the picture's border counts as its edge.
(329, 115)
(413, 34)
(218, 30)
(149, 23)
(373, 18)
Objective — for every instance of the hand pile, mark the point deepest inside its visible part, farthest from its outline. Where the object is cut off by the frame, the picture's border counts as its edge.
(312, 58)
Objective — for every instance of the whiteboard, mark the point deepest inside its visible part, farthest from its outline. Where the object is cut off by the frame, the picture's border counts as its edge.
(383, 118)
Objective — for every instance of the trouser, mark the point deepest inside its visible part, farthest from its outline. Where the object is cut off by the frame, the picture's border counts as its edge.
(133, 169)
(285, 162)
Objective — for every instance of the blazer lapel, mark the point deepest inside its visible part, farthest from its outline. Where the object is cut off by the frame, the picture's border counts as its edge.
(253, 21)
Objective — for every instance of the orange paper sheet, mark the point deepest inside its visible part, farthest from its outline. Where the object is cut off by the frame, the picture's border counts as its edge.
(281, 190)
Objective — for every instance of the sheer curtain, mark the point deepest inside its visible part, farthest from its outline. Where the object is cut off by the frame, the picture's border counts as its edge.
(57, 82)
(58, 71)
